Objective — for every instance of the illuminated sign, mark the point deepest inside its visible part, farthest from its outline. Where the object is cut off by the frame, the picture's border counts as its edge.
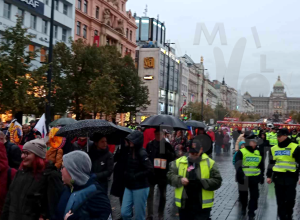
(148, 77)
(149, 62)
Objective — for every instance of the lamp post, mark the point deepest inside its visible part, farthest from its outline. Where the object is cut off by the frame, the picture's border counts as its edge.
(168, 76)
(49, 74)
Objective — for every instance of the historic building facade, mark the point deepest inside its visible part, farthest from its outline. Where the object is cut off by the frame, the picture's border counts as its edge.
(106, 22)
(278, 102)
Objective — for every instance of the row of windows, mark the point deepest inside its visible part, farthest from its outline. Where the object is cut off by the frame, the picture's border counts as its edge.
(33, 22)
(56, 6)
(84, 30)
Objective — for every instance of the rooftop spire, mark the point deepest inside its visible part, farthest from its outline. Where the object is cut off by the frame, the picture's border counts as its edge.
(202, 59)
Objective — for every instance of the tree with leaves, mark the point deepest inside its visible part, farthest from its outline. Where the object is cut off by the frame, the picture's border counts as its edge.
(195, 109)
(22, 85)
(89, 79)
(221, 112)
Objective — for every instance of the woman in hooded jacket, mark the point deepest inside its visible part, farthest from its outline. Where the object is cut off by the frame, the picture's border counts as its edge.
(137, 172)
(36, 188)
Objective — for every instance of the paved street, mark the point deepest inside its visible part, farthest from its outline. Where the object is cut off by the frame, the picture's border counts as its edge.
(226, 206)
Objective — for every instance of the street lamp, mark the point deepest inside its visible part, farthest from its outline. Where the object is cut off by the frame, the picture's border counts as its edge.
(49, 74)
(168, 76)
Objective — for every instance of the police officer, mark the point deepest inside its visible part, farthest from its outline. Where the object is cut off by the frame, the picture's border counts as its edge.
(195, 177)
(249, 173)
(284, 173)
(272, 137)
(255, 131)
(295, 137)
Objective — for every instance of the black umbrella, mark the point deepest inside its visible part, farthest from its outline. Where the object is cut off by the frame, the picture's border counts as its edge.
(62, 122)
(195, 124)
(88, 128)
(117, 136)
(164, 121)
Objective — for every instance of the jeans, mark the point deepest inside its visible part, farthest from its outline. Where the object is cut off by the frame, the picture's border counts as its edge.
(218, 148)
(136, 198)
(285, 195)
(162, 200)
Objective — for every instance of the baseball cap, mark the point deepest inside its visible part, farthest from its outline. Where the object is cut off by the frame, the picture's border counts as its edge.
(282, 132)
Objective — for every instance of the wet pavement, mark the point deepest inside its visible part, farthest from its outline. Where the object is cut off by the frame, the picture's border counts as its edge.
(226, 206)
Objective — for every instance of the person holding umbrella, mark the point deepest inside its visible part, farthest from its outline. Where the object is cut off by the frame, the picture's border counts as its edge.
(161, 153)
(102, 160)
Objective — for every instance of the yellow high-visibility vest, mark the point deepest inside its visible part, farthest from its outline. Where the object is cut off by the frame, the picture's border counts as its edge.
(205, 166)
(251, 162)
(284, 158)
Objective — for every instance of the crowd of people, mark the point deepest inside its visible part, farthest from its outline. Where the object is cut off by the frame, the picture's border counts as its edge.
(72, 181)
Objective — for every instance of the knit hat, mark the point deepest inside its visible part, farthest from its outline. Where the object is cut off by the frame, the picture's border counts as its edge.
(241, 143)
(36, 146)
(79, 165)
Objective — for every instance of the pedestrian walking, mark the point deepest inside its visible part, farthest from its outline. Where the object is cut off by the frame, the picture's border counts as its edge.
(283, 171)
(179, 144)
(36, 188)
(83, 143)
(137, 173)
(195, 177)
(120, 160)
(7, 174)
(226, 140)
(13, 152)
(27, 135)
(219, 141)
(249, 172)
(83, 197)
(102, 160)
(235, 136)
(161, 153)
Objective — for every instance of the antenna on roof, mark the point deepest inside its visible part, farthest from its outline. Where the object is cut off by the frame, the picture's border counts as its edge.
(146, 10)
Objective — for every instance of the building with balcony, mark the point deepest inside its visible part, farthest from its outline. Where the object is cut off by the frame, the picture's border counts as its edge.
(106, 22)
(36, 17)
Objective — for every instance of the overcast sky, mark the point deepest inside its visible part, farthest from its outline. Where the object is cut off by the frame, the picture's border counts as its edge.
(277, 23)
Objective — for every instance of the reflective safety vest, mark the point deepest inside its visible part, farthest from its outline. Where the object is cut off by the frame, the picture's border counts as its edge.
(284, 158)
(256, 132)
(295, 138)
(231, 131)
(205, 166)
(268, 136)
(251, 162)
(273, 139)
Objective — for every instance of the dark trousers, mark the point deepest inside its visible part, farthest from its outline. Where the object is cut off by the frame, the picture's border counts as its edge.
(254, 195)
(162, 200)
(285, 195)
(196, 213)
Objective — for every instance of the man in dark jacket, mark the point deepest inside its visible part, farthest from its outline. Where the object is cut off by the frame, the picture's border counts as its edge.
(27, 134)
(195, 177)
(161, 153)
(282, 170)
(219, 141)
(102, 160)
(13, 152)
(82, 144)
(249, 172)
(87, 199)
(138, 170)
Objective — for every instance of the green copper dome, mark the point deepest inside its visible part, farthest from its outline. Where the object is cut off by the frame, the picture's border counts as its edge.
(278, 83)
